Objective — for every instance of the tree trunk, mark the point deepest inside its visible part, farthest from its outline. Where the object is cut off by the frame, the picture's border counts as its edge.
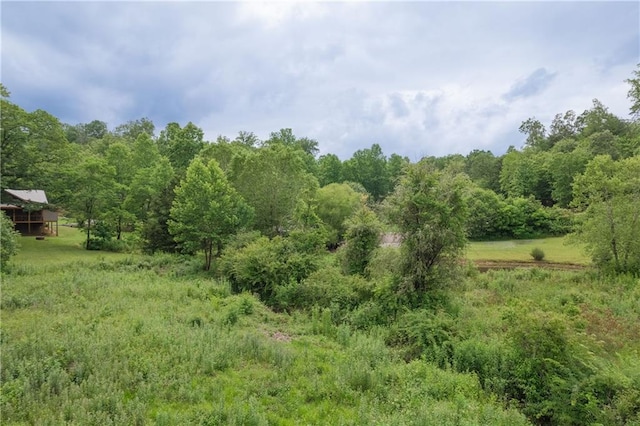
(208, 252)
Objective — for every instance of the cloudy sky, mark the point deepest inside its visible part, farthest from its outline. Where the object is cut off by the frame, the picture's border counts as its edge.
(418, 78)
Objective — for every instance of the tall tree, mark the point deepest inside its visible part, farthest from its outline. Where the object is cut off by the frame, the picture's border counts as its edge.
(329, 170)
(428, 207)
(609, 193)
(484, 169)
(524, 173)
(94, 188)
(134, 128)
(206, 210)
(369, 168)
(395, 167)
(536, 134)
(271, 180)
(35, 151)
(181, 145)
(634, 93)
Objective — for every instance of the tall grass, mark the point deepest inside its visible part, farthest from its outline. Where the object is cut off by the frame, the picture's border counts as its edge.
(124, 344)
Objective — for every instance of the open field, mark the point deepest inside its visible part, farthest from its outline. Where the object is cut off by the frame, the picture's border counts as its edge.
(67, 246)
(556, 250)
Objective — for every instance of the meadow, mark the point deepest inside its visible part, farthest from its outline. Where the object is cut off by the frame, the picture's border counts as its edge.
(102, 338)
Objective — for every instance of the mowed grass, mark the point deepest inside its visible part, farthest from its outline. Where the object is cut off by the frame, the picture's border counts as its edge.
(54, 250)
(556, 250)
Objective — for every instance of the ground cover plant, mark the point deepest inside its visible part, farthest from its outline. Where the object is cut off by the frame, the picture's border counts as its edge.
(137, 340)
(124, 339)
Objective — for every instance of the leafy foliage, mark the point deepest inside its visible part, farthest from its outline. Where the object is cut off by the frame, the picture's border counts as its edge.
(8, 240)
(265, 264)
(206, 210)
(336, 203)
(361, 239)
(537, 254)
(429, 209)
(609, 193)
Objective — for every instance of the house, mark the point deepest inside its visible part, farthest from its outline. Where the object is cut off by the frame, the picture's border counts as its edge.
(28, 209)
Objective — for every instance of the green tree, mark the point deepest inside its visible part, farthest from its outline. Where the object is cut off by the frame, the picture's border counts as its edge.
(308, 147)
(484, 169)
(563, 167)
(119, 157)
(206, 210)
(247, 139)
(155, 228)
(524, 173)
(484, 207)
(35, 151)
(94, 193)
(336, 203)
(369, 168)
(361, 239)
(272, 179)
(181, 145)
(329, 170)
(224, 151)
(134, 128)
(429, 209)
(395, 167)
(609, 193)
(536, 134)
(634, 93)
(563, 126)
(9, 242)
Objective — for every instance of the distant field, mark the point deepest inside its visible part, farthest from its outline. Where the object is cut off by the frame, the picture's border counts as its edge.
(555, 250)
(66, 247)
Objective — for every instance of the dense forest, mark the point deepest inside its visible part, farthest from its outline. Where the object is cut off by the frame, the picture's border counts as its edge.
(301, 232)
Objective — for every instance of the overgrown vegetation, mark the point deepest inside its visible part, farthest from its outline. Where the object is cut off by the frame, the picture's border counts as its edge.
(299, 316)
(152, 339)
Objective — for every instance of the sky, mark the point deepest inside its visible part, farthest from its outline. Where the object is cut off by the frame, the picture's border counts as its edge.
(417, 78)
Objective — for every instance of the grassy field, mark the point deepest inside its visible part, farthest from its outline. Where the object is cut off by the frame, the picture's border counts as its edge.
(65, 247)
(94, 338)
(555, 249)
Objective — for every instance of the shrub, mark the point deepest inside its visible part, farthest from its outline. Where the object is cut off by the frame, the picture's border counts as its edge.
(537, 254)
(322, 288)
(264, 265)
(362, 238)
(8, 240)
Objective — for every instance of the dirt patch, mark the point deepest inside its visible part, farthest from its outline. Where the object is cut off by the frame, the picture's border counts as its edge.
(280, 337)
(486, 265)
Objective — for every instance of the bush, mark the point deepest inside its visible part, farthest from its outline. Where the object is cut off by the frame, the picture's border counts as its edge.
(362, 238)
(264, 265)
(324, 288)
(8, 240)
(537, 254)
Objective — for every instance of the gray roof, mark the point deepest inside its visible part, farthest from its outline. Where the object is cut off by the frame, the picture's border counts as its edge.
(29, 195)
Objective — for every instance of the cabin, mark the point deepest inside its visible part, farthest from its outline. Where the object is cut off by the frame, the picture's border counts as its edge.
(30, 211)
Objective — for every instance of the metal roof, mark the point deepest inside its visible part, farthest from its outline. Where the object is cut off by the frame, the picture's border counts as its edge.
(29, 195)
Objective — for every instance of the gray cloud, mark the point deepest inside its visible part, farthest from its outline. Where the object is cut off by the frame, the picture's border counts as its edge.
(420, 78)
(534, 84)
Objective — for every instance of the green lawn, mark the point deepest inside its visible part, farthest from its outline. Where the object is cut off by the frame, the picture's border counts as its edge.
(555, 250)
(66, 247)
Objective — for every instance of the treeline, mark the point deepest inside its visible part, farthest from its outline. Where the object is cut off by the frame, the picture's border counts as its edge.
(126, 179)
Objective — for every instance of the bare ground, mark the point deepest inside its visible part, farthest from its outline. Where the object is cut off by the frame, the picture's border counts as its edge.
(486, 265)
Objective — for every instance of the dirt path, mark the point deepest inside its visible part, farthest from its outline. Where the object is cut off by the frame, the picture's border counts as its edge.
(486, 265)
